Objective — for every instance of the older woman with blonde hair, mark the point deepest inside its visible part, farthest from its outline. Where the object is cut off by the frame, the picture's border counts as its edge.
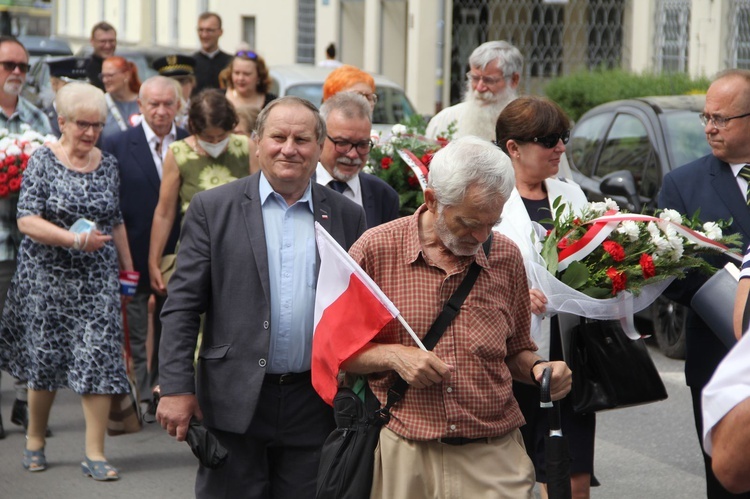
(61, 326)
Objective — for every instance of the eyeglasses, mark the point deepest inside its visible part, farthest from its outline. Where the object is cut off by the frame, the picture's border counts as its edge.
(247, 53)
(344, 146)
(10, 66)
(372, 98)
(551, 140)
(102, 76)
(718, 121)
(85, 125)
(207, 30)
(488, 80)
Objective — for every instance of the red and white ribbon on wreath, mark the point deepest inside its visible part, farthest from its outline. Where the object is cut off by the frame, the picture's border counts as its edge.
(419, 169)
(603, 226)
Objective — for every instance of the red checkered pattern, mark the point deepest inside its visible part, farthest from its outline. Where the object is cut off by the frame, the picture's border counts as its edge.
(493, 323)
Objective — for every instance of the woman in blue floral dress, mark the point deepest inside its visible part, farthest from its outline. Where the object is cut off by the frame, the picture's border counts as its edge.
(61, 326)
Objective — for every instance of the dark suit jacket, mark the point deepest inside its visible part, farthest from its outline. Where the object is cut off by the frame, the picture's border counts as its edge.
(139, 194)
(380, 200)
(709, 185)
(222, 270)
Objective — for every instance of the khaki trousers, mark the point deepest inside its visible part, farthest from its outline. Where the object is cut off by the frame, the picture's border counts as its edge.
(413, 469)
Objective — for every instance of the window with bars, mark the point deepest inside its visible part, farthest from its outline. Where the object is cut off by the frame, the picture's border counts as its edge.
(306, 31)
(672, 31)
(739, 35)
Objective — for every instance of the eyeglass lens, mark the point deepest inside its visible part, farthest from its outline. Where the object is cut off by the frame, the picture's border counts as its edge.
(344, 146)
(550, 141)
(11, 66)
(85, 125)
(488, 80)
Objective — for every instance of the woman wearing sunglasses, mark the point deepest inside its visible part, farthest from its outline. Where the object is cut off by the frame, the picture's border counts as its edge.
(61, 325)
(246, 80)
(533, 131)
(121, 82)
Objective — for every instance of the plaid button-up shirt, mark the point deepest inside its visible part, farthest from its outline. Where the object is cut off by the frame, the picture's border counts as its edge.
(493, 324)
(26, 113)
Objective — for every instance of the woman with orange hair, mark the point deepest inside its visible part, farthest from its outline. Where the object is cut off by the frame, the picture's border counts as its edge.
(120, 78)
(247, 81)
(348, 78)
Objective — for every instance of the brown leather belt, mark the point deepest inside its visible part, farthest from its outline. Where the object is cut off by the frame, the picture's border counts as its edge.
(462, 440)
(286, 378)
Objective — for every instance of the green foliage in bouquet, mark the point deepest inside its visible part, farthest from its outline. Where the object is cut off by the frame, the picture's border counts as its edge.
(386, 163)
(635, 254)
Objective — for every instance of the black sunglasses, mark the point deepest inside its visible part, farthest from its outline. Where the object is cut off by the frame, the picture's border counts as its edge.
(550, 141)
(10, 66)
(247, 53)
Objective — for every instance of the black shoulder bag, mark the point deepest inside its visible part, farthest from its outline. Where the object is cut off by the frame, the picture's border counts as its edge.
(348, 454)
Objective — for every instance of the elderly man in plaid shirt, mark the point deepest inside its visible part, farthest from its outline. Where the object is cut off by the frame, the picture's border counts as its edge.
(455, 433)
(14, 112)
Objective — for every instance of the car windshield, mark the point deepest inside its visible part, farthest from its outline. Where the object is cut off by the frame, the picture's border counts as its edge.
(685, 137)
(392, 106)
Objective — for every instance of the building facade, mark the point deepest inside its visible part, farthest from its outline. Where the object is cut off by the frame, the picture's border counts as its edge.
(424, 44)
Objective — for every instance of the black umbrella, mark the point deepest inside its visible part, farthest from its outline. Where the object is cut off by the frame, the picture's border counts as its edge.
(556, 452)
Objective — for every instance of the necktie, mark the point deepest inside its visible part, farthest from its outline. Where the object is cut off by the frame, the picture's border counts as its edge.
(339, 186)
(157, 148)
(745, 173)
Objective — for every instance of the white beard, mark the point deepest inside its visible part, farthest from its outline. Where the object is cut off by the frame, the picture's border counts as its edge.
(481, 112)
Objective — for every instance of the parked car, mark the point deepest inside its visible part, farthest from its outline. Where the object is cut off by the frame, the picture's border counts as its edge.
(637, 142)
(306, 81)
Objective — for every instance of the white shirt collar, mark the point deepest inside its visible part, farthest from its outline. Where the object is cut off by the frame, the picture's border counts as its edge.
(151, 137)
(323, 177)
(210, 55)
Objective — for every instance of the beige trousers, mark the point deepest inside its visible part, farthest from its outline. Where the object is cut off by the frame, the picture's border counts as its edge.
(498, 469)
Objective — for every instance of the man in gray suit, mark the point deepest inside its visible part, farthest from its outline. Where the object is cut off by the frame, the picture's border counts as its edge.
(247, 259)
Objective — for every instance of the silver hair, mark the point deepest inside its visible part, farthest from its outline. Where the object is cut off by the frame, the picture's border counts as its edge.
(161, 81)
(508, 57)
(288, 100)
(469, 161)
(77, 96)
(351, 104)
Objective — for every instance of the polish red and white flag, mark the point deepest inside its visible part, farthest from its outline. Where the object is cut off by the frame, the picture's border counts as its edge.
(350, 309)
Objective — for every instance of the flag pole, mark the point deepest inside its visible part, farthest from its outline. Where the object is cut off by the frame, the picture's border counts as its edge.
(411, 332)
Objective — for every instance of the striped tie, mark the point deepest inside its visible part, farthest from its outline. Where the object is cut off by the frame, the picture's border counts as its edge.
(745, 173)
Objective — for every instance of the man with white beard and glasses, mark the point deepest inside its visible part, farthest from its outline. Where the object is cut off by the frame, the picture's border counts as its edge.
(15, 111)
(345, 152)
(491, 83)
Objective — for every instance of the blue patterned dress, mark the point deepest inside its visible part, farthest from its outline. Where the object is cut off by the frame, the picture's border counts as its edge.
(61, 326)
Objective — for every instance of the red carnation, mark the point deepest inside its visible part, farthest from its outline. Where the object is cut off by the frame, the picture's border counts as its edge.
(10, 160)
(386, 162)
(616, 251)
(426, 158)
(13, 171)
(618, 280)
(647, 266)
(412, 181)
(3, 178)
(15, 184)
(442, 141)
(563, 243)
(4, 190)
(576, 221)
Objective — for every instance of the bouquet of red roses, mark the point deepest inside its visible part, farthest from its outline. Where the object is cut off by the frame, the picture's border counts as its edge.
(15, 151)
(603, 264)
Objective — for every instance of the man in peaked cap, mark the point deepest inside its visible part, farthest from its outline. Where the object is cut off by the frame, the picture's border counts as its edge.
(63, 70)
(181, 68)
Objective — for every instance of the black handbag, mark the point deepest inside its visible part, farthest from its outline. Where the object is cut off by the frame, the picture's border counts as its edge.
(348, 454)
(609, 369)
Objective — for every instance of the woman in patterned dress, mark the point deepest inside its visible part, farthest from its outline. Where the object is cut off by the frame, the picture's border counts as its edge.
(211, 157)
(61, 326)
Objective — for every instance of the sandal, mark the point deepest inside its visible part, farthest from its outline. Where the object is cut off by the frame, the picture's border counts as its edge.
(99, 470)
(34, 460)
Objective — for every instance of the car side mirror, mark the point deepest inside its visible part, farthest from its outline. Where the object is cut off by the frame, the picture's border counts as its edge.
(622, 183)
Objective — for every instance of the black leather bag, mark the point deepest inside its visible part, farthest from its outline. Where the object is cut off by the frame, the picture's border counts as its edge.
(609, 369)
(348, 454)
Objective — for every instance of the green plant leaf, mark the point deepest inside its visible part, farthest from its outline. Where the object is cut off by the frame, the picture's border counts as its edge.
(576, 275)
(594, 292)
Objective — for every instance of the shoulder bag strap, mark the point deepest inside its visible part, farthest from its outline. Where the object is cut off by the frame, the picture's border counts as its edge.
(115, 112)
(449, 312)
